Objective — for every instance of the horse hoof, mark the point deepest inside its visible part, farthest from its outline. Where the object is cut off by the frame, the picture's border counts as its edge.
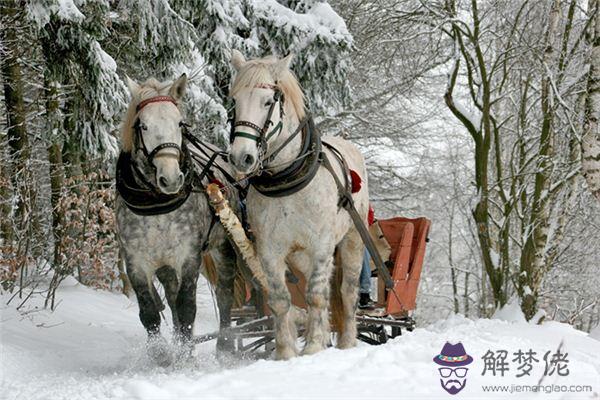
(285, 354)
(225, 344)
(346, 343)
(312, 348)
(158, 351)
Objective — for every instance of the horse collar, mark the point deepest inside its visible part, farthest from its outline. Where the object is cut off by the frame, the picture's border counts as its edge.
(141, 196)
(300, 173)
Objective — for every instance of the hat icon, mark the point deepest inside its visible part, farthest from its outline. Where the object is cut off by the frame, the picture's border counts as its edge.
(453, 355)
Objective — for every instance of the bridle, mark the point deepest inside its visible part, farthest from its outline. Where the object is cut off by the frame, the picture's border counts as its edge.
(137, 126)
(262, 135)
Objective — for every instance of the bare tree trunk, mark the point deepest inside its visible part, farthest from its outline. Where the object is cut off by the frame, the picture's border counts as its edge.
(533, 257)
(56, 185)
(590, 143)
(481, 134)
(56, 171)
(6, 228)
(453, 274)
(13, 98)
(466, 294)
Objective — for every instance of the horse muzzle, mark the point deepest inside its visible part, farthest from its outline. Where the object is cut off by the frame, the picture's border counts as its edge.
(169, 178)
(243, 163)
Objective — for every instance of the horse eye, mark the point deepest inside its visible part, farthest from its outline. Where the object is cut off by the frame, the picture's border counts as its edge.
(143, 127)
(269, 103)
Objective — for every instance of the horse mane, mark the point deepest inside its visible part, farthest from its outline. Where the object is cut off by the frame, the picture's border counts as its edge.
(151, 88)
(258, 71)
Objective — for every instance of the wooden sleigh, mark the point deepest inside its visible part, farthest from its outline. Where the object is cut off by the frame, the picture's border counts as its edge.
(400, 241)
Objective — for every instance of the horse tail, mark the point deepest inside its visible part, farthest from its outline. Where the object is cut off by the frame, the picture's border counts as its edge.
(337, 305)
(239, 285)
(156, 297)
(210, 270)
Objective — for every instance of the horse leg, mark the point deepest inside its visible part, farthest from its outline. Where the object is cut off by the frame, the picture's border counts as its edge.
(168, 278)
(225, 259)
(351, 251)
(280, 302)
(186, 298)
(149, 314)
(144, 291)
(317, 297)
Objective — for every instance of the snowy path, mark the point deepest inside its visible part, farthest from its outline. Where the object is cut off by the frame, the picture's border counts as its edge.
(91, 348)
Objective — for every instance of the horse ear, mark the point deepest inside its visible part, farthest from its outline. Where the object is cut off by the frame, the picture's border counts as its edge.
(283, 65)
(177, 90)
(237, 59)
(133, 86)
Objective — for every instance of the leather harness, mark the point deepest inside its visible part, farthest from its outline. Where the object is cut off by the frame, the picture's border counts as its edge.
(303, 169)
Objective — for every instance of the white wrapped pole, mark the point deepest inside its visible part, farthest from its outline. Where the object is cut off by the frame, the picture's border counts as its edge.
(236, 232)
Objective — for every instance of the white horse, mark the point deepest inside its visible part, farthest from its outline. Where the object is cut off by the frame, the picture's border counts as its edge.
(305, 228)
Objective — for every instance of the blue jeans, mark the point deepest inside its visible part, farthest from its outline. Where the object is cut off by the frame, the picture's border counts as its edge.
(365, 274)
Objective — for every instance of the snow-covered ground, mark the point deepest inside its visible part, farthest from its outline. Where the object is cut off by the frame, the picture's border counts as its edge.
(91, 347)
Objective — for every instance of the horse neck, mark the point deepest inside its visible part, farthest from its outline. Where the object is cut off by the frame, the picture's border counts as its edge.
(292, 150)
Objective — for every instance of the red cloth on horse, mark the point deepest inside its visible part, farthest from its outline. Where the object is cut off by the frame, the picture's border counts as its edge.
(356, 181)
(371, 216)
(218, 183)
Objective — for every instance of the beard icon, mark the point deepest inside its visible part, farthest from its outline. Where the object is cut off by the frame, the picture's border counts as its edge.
(453, 386)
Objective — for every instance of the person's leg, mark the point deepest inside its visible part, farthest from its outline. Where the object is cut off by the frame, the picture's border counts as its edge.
(365, 273)
(365, 283)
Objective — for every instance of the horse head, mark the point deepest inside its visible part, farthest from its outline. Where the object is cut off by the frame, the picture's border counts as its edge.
(268, 100)
(153, 132)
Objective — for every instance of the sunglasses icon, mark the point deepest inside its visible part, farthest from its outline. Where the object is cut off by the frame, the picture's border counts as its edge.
(447, 372)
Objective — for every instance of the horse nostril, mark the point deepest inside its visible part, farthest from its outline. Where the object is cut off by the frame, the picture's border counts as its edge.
(180, 179)
(248, 160)
(162, 181)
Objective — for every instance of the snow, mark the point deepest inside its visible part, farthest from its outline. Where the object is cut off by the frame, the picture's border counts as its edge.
(327, 16)
(595, 333)
(495, 257)
(474, 118)
(104, 59)
(511, 312)
(66, 10)
(91, 347)
(319, 20)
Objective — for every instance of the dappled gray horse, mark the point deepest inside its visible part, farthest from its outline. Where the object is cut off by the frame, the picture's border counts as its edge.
(163, 216)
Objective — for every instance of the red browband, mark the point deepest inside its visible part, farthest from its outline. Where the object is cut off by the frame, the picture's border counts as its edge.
(266, 86)
(155, 99)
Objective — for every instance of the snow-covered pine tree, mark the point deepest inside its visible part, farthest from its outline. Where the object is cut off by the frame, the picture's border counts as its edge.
(319, 39)
(93, 92)
(311, 30)
(155, 38)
